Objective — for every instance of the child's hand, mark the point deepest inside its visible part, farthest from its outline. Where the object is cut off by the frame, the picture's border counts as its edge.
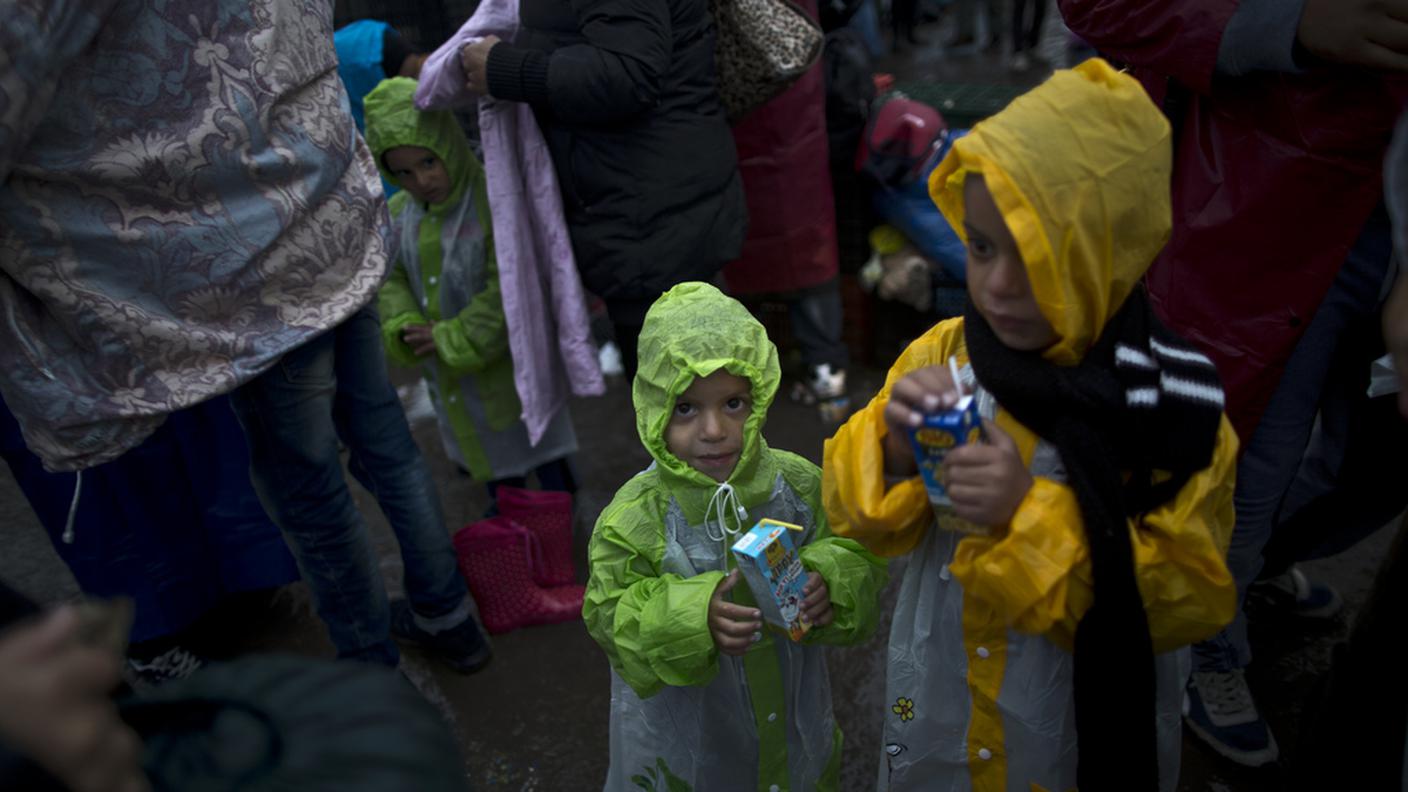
(987, 481)
(915, 395)
(816, 608)
(733, 627)
(420, 338)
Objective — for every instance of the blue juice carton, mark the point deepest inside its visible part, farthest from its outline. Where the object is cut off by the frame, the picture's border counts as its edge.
(940, 433)
(769, 562)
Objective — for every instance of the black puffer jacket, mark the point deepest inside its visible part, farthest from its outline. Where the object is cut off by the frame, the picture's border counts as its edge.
(626, 93)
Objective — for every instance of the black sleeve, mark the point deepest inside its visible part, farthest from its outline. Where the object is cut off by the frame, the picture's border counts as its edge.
(614, 75)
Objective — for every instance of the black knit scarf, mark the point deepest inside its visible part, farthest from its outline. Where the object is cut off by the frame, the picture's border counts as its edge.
(1140, 400)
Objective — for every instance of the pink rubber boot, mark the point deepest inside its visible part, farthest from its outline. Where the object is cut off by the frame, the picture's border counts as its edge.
(496, 559)
(548, 515)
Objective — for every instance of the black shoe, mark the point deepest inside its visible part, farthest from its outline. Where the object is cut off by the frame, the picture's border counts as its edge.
(462, 647)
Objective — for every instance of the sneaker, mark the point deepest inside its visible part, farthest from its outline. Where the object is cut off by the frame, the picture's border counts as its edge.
(1218, 707)
(415, 400)
(172, 664)
(1294, 594)
(462, 647)
(609, 358)
(829, 388)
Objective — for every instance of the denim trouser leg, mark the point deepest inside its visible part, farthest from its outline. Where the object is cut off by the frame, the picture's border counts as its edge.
(387, 461)
(817, 323)
(1273, 455)
(287, 415)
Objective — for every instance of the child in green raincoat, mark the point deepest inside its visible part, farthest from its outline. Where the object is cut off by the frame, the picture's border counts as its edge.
(441, 308)
(702, 696)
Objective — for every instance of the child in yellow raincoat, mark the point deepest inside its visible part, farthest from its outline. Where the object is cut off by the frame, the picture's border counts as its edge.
(1047, 654)
(702, 698)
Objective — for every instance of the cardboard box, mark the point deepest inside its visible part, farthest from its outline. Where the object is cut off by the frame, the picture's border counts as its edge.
(941, 433)
(769, 562)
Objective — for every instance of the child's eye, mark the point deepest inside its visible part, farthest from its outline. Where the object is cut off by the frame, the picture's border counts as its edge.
(684, 409)
(980, 248)
(428, 162)
(737, 403)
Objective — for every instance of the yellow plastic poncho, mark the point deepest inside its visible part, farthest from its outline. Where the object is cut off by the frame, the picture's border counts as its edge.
(979, 686)
(683, 716)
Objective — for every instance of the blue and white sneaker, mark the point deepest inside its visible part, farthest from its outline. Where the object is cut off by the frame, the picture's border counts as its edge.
(1218, 707)
(1293, 594)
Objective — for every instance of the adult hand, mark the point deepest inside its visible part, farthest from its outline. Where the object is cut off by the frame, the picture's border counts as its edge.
(816, 607)
(474, 59)
(916, 394)
(987, 481)
(733, 627)
(1372, 33)
(420, 338)
(55, 708)
(1396, 337)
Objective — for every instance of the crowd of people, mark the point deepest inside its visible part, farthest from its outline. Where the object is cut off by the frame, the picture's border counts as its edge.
(1184, 346)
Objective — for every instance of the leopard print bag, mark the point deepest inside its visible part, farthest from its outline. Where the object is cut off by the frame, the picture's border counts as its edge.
(763, 46)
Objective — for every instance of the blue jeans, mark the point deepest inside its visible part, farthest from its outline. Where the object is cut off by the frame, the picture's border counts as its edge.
(1273, 456)
(337, 386)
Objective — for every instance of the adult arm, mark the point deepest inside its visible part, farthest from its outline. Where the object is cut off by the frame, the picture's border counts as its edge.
(614, 75)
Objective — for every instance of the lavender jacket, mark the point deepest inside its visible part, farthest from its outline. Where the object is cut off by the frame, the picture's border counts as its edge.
(537, 272)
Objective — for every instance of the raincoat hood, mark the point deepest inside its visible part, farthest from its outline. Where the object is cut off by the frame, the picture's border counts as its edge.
(393, 120)
(694, 330)
(1080, 168)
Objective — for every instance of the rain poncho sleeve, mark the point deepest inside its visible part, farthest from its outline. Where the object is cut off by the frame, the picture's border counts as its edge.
(396, 303)
(654, 627)
(1036, 573)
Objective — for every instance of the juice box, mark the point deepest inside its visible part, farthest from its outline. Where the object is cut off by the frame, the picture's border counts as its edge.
(940, 433)
(770, 564)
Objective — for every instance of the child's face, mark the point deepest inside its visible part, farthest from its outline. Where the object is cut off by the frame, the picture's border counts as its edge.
(419, 172)
(706, 426)
(997, 277)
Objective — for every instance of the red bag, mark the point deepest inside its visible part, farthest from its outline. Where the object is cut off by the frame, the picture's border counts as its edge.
(901, 136)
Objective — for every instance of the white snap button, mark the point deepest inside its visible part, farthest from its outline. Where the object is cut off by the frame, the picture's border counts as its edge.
(433, 280)
(774, 788)
(984, 753)
(944, 574)
(983, 652)
(772, 716)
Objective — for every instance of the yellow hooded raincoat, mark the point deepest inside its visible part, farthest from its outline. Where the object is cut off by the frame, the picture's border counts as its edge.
(979, 692)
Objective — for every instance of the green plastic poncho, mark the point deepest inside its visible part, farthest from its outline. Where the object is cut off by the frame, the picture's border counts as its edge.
(446, 274)
(684, 716)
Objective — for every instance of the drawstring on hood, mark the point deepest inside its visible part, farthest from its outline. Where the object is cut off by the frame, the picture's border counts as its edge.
(723, 501)
(73, 508)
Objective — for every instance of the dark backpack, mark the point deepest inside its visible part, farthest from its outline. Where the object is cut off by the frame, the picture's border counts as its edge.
(850, 91)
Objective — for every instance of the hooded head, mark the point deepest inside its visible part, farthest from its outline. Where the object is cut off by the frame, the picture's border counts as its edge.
(394, 122)
(1079, 168)
(691, 332)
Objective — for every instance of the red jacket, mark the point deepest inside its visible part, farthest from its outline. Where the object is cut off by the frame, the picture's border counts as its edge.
(782, 155)
(1274, 177)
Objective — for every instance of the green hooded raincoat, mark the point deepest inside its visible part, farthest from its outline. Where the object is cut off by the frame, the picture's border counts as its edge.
(445, 274)
(683, 716)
